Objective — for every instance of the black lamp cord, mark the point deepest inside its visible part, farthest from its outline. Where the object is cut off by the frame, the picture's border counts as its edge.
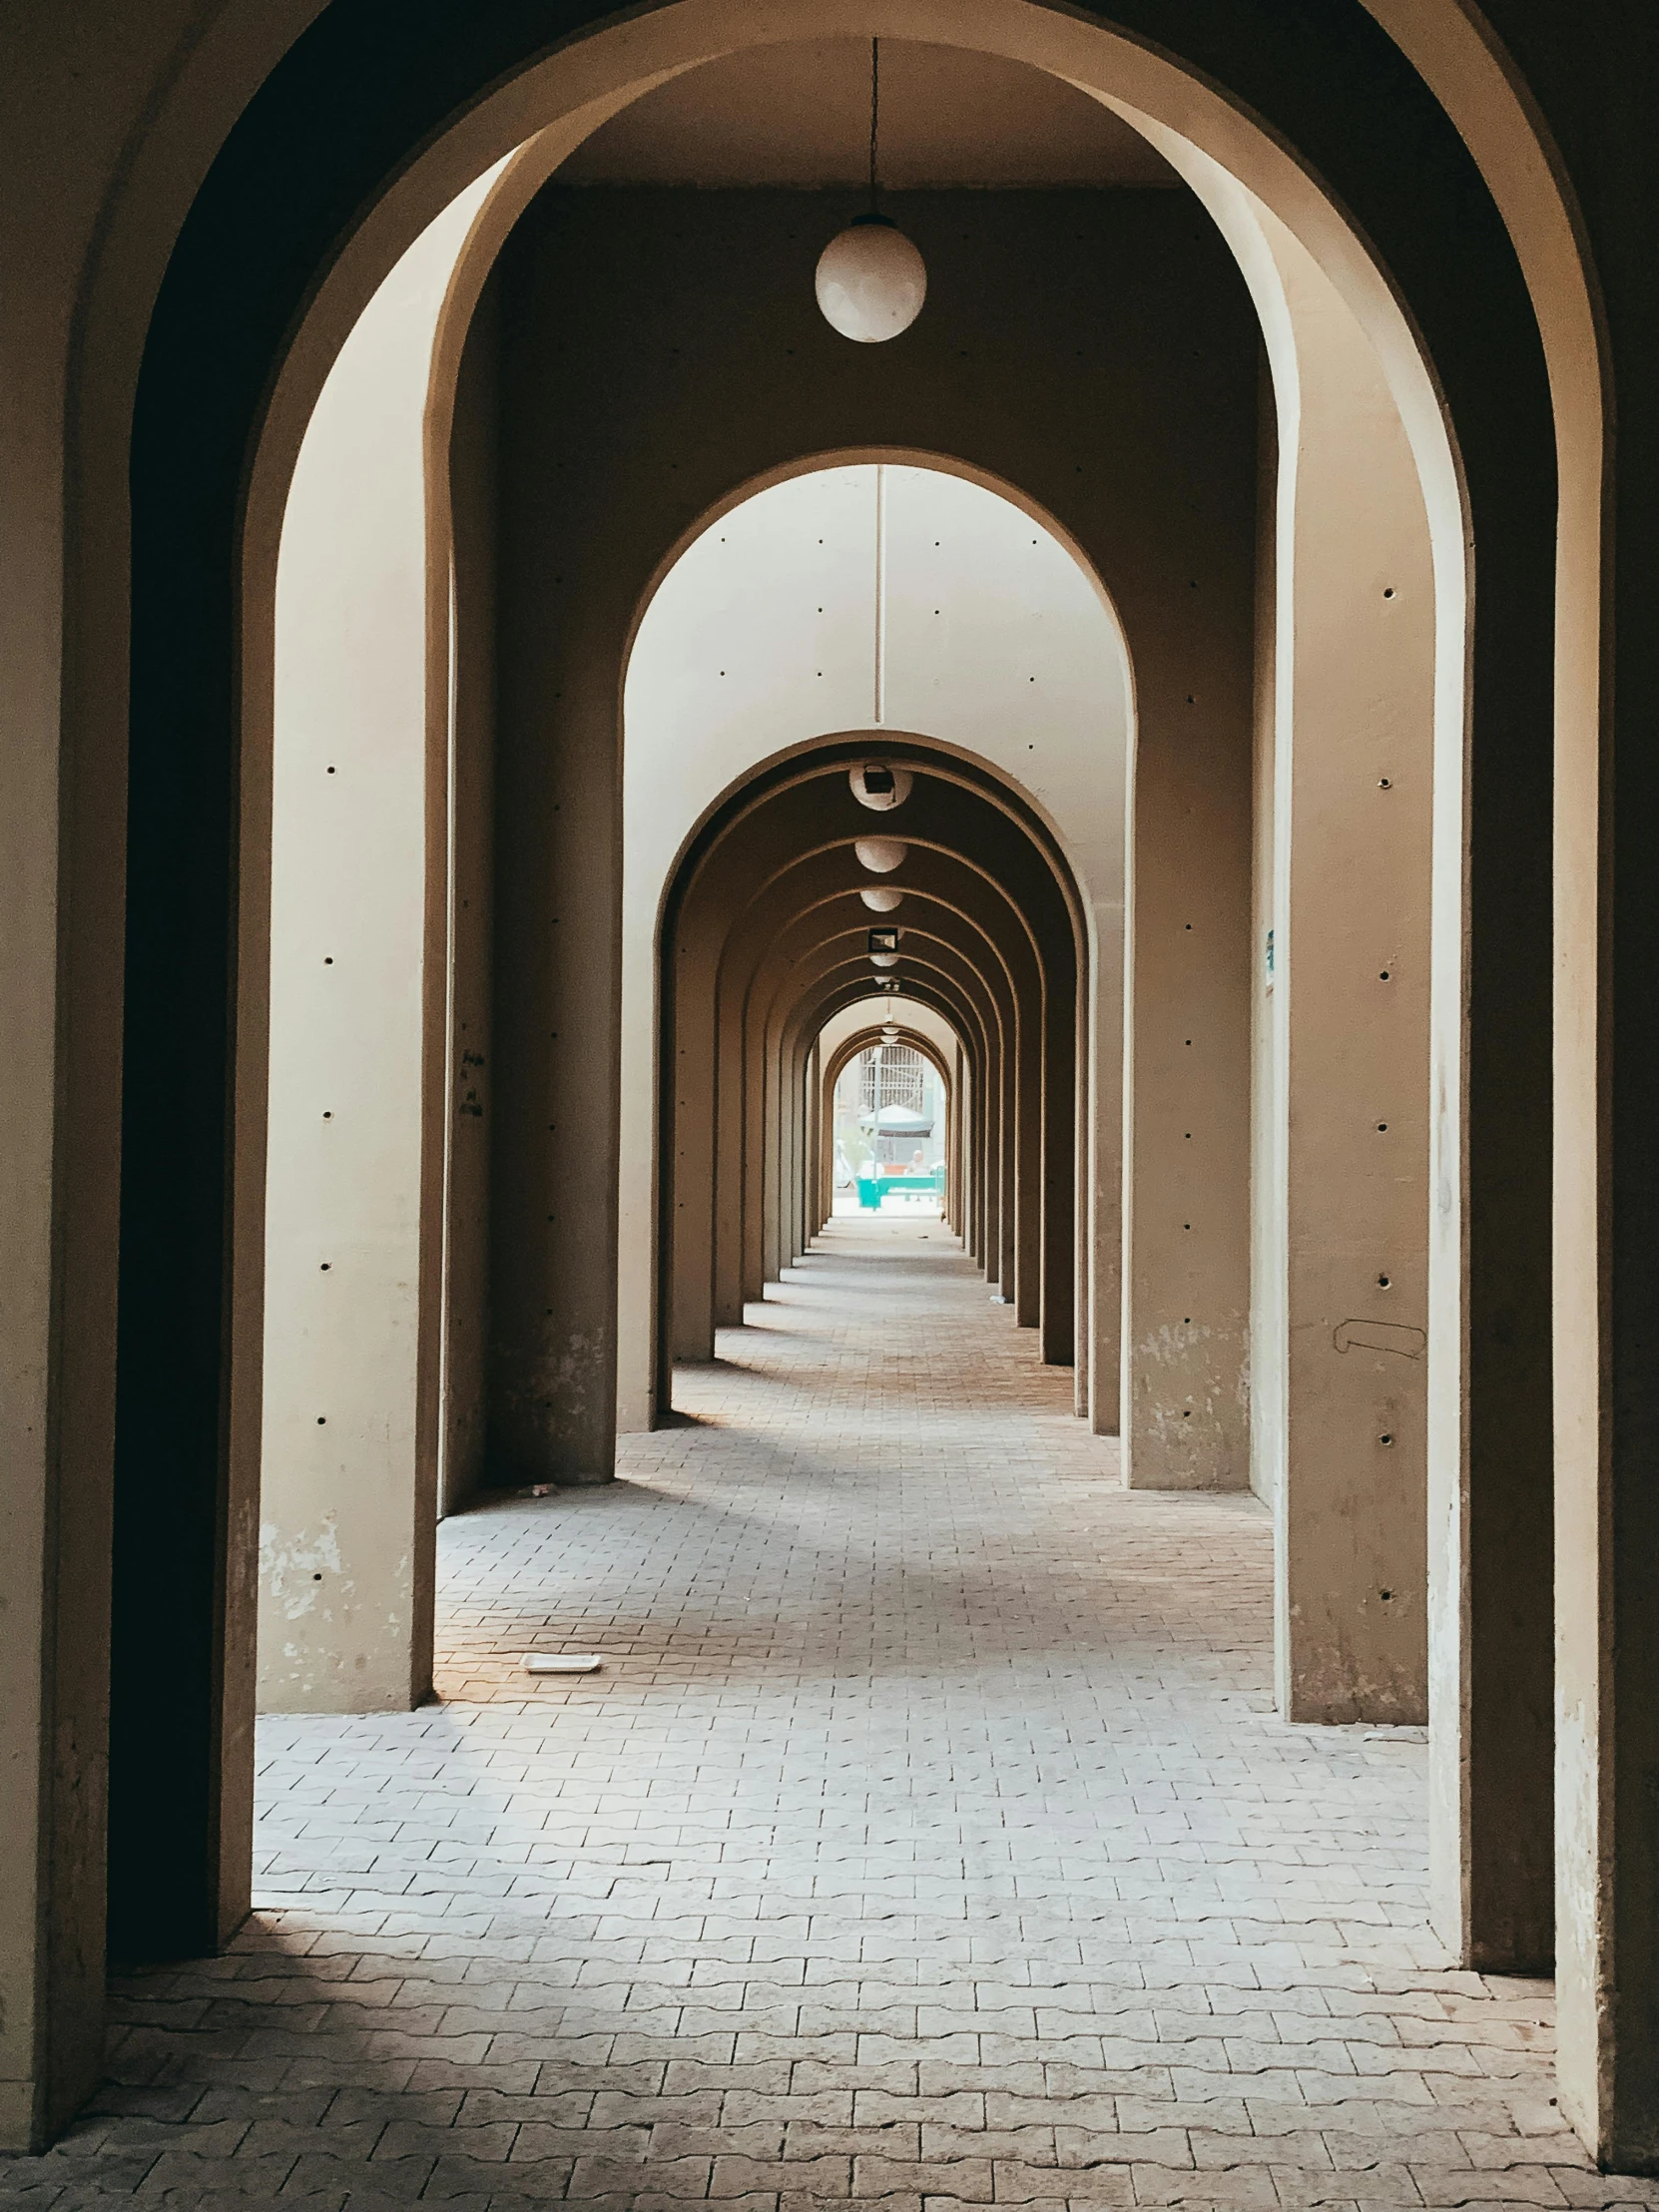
(875, 111)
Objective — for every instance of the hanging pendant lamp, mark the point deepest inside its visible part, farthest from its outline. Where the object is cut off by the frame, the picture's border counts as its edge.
(870, 281)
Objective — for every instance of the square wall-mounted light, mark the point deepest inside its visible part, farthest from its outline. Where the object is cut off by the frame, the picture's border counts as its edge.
(883, 940)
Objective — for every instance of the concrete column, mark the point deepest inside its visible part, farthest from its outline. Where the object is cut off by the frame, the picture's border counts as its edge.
(1022, 1284)
(807, 1175)
(730, 1197)
(822, 1184)
(786, 1126)
(807, 1090)
(1343, 1181)
(464, 1204)
(965, 1120)
(957, 1156)
(812, 1172)
(348, 1486)
(1486, 1250)
(754, 1155)
(973, 1167)
(774, 1157)
(61, 859)
(566, 611)
(687, 1129)
(796, 1065)
(1606, 1212)
(1064, 1226)
(1186, 1150)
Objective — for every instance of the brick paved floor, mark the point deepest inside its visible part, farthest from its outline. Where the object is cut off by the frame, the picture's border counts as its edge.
(927, 1837)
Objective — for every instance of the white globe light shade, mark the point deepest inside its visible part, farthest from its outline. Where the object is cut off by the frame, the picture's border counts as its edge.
(870, 282)
(881, 854)
(883, 959)
(881, 898)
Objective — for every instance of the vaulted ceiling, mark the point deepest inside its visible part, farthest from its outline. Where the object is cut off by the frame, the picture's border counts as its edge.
(799, 114)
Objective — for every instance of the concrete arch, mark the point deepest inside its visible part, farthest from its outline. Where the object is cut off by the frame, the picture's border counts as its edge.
(823, 1071)
(585, 1456)
(725, 749)
(796, 930)
(1184, 1302)
(989, 992)
(819, 1145)
(134, 250)
(978, 1124)
(816, 463)
(1029, 1229)
(1036, 1262)
(1420, 421)
(1328, 1677)
(951, 1063)
(864, 1039)
(833, 1046)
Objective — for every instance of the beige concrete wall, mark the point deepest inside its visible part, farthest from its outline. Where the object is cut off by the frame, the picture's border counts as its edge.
(1269, 1129)
(1163, 500)
(1186, 1387)
(114, 120)
(469, 644)
(1186, 1156)
(1003, 617)
(348, 1499)
(709, 694)
(1351, 811)
(764, 635)
(110, 123)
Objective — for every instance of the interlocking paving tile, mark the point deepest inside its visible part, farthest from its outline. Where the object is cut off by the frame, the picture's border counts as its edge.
(928, 1839)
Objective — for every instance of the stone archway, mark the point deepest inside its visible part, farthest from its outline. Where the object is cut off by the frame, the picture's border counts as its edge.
(196, 1224)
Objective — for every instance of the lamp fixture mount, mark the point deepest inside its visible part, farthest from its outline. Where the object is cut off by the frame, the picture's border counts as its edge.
(871, 279)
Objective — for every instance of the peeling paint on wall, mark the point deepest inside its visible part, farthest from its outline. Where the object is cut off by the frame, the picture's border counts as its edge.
(294, 1568)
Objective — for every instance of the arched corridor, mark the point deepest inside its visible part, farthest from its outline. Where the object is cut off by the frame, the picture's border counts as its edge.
(928, 1832)
(522, 669)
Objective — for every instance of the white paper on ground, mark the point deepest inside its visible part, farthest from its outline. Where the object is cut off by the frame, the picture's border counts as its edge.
(561, 1662)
